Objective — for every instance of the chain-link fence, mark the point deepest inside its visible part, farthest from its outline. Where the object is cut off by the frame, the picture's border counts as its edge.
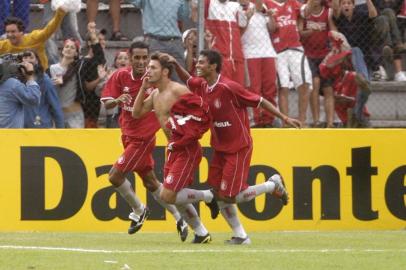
(317, 61)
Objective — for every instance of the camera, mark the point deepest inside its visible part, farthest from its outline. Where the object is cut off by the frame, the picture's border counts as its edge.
(11, 67)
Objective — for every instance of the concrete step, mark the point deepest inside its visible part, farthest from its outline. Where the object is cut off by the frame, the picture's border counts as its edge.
(386, 104)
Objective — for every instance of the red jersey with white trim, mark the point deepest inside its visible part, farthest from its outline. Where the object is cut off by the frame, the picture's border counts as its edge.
(228, 102)
(189, 120)
(316, 45)
(286, 15)
(121, 82)
(223, 21)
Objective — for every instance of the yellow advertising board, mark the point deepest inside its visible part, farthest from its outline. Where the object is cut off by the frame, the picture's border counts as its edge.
(57, 180)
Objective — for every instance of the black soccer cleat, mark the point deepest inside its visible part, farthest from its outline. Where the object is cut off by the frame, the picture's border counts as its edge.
(213, 206)
(137, 221)
(182, 228)
(202, 239)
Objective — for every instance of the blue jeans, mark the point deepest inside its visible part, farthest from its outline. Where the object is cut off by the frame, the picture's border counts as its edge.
(69, 29)
(20, 9)
(360, 67)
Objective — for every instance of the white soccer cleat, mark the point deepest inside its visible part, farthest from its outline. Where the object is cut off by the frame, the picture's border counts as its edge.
(280, 189)
(238, 241)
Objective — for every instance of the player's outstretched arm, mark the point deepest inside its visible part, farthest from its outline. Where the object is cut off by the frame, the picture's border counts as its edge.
(142, 105)
(181, 71)
(272, 109)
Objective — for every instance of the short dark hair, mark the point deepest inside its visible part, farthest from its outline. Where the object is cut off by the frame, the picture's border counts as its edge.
(138, 45)
(16, 21)
(39, 69)
(214, 57)
(164, 61)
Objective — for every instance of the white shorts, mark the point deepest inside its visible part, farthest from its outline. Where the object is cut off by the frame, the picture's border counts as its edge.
(292, 65)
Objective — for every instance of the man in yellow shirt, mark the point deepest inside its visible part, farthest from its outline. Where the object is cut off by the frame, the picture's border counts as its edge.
(17, 41)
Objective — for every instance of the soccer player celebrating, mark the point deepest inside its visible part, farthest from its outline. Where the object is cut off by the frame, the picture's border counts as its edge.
(231, 139)
(138, 137)
(184, 118)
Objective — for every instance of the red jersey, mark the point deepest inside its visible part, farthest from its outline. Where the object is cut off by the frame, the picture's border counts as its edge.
(228, 100)
(316, 45)
(189, 120)
(222, 20)
(286, 15)
(123, 82)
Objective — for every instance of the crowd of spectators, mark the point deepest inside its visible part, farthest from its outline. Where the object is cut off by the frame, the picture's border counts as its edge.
(326, 50)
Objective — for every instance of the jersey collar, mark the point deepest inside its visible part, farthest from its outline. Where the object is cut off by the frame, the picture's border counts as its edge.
(211, 87)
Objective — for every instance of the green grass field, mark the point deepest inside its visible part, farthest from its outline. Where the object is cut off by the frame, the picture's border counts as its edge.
(358, 250)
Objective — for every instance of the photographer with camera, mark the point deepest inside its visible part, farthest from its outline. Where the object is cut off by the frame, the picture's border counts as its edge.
(15, 94)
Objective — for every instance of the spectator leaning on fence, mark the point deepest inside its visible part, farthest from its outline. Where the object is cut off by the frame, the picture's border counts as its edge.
(65, 77)
(350, 92)
(260, 58)
(314, 36)
(189, 39)
(355, 23)
(17, 41)
(48, 113)
(292, 63)
(224, 19)
(160, 24)
(14, 95)
(92, 72)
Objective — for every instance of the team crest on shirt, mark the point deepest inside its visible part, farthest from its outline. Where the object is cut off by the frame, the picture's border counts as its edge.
(126, 89)
(217, 103)
(121, 160)
(169, 179)
(223, 185)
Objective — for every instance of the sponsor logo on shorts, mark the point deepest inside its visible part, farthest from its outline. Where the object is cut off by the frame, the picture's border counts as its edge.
(169, 179)
(121, 160)
(223, 185)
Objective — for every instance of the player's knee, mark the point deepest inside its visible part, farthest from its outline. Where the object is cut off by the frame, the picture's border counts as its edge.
(226, 199)
(168, 196)
(149, 180)
(115, 177)
(149, 185)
